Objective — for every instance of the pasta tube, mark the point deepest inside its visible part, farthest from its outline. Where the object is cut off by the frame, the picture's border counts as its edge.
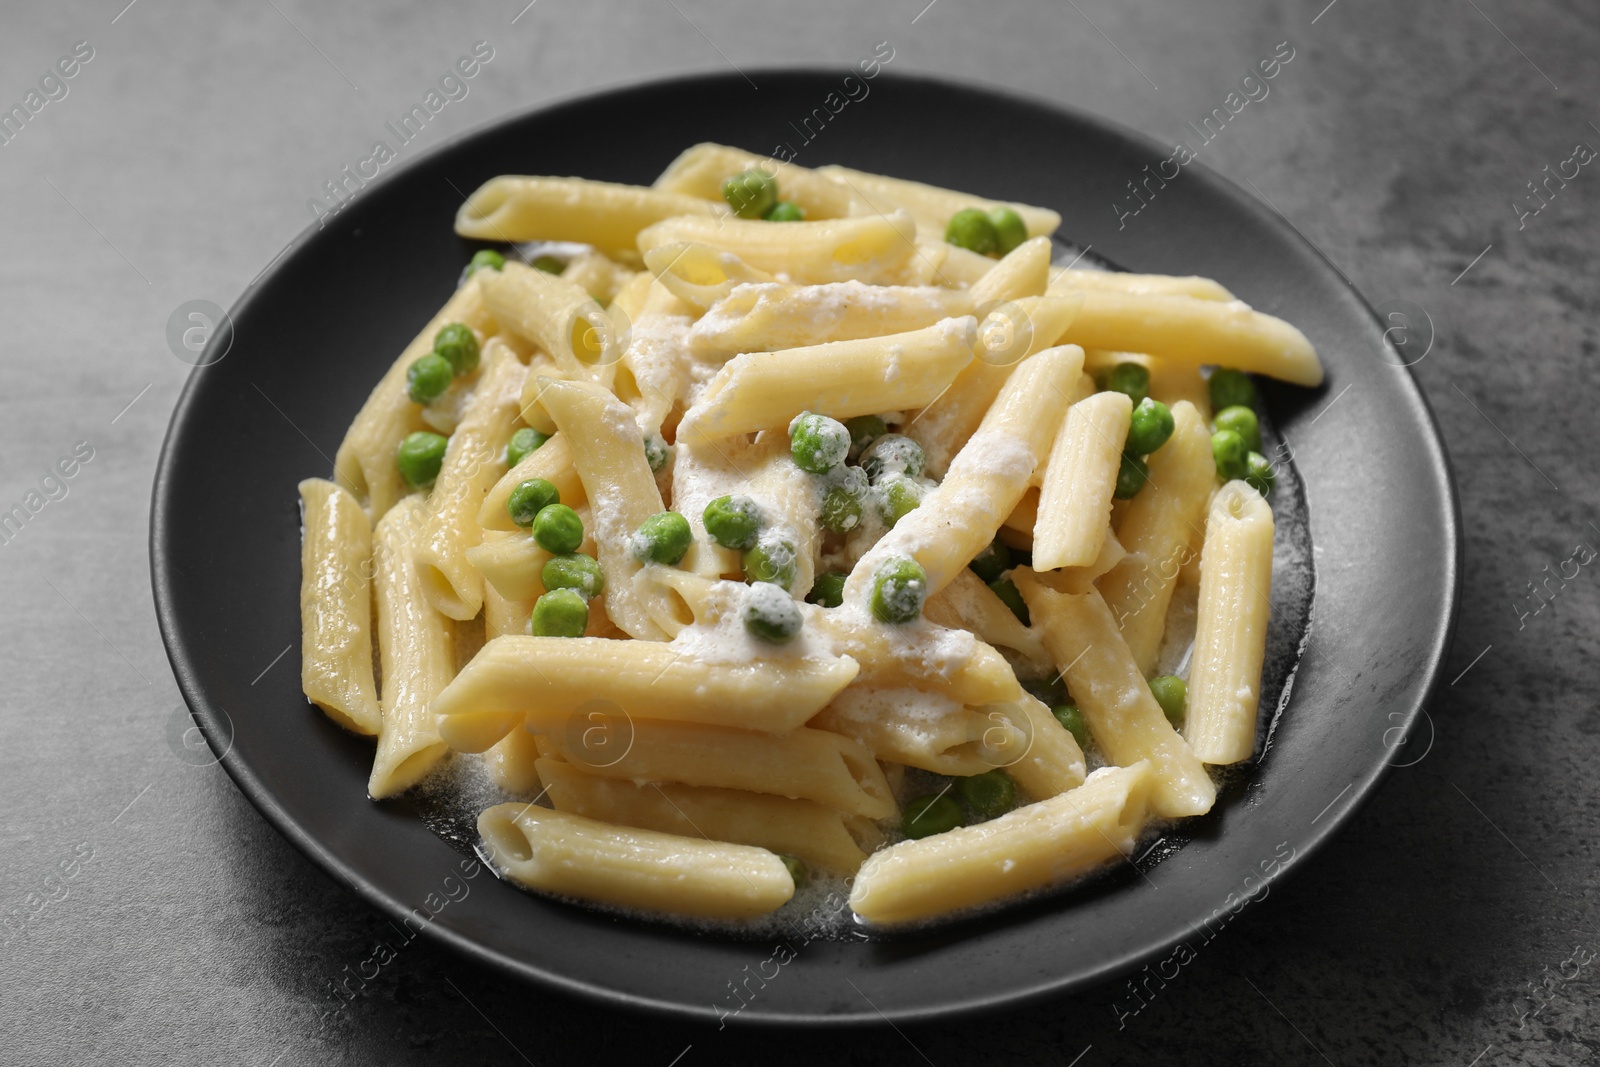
(556, 315)
(816, 834)
(842, 379)
(608, 452)
(1231, 629)
(365, 462)
(551, 461)
(1144, 284)
(1079, 482)
(873, 249)
(551, 679)
(803, 764)
(416, 653)
(1192, 331)
(1124, 718)
(985, 481)
(701, 170)
(1030, 848)
(1157, 529)
(336, 607)
(1009, 335)
(473, 462)
(569, 855)
(604, 214)
(930, 205)
(765, 317)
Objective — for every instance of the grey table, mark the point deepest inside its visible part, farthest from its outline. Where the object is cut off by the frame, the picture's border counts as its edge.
(150, 915)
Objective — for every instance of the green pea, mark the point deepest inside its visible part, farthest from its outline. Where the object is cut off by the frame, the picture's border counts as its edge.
(1131, 476)
(419, 458)
(1233, 459)
(973, 230)
(770, 614)
(827, 589)
(785, 211)
(549, 264)
(771, 561)
(487, 257)
(1069, 716)
(656, 452)
(1008, 227)
(898, 590)
(732, 521)
(901, 496)
(457, 343)
(798, 872)
(559, 613)
(428, 377)
(992, 562)
(818, 443)
(893, 453)
(751, 193)
(1172, 694)
(662, 538)
(1242, 421)
(1149, 428)
(575, 571)
(558, 529)
(1129, 378)
(523, 443)
(1259, 474)
(1231, 388)
(929, 815)
(864, 429)
(841, 510)
(990, 793)
(529, 498)
(1006, 590)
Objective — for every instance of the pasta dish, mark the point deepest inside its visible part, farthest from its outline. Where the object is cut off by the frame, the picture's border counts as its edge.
(768, 523)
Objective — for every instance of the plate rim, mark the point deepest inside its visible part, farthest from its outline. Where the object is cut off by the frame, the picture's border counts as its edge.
(210, 717)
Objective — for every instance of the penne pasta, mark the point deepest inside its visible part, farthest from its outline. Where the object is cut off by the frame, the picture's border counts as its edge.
(1025, 271)
(549, 680)
(562, 319)
(841, 379)
(1126, 722)
(1010, 334)
(608, 453)
(364, 465)
(930, 205)
(604, 214)
(701, 170)
(336, 607)
(1031, 848)
(1079, 481)
(817, 834)
(1192, 331)
(569, 855)
(473, 462)
(551, 461)
(874, 249)
(803, 764)
(1145, 284)
(1156, 531)
(985, 481)
(763, 317)
(1230, 638)
(416, 653)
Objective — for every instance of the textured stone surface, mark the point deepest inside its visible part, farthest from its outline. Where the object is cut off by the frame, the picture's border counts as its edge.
(179, 164)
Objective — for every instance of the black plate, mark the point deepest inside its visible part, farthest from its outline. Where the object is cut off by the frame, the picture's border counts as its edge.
(312, 335)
